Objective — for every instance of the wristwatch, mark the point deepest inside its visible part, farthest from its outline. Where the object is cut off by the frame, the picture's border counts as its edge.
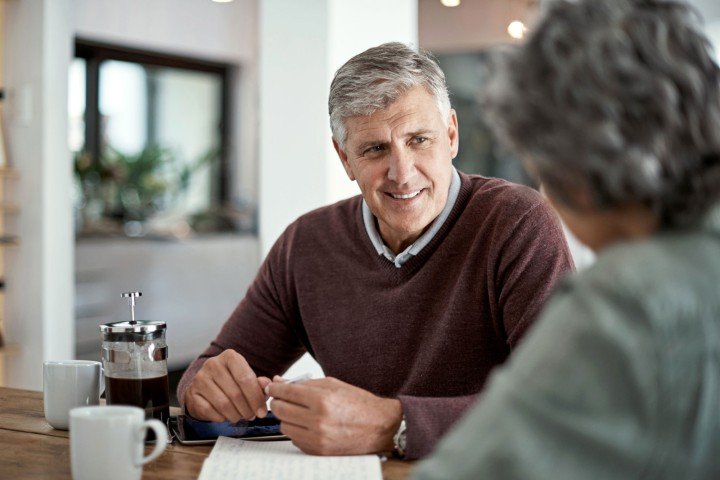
(400, 440)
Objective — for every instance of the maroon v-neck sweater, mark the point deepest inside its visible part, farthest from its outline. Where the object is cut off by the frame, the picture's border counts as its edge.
(427, 333)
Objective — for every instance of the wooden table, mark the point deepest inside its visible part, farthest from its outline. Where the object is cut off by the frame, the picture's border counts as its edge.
(30, 448)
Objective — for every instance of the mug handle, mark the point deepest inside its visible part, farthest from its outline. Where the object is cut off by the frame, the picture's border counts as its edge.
(161, 442)
(102, 381)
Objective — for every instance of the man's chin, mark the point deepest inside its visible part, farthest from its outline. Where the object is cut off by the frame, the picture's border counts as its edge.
(408, 228)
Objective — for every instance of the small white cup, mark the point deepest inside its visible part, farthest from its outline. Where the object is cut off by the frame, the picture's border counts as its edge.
(107, 442)
(68, 384)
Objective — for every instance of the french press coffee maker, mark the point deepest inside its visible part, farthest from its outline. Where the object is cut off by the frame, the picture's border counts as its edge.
(134, 355)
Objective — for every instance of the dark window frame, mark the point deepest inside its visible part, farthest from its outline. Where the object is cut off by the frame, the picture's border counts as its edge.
(95, 53)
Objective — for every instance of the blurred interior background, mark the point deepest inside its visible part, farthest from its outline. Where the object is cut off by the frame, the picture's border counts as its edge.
(163, 145)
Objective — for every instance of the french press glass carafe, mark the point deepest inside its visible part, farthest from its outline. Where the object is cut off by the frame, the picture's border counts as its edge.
(134, 356)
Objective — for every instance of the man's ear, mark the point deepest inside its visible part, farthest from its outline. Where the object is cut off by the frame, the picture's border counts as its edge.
(453, 133)
(343, 159)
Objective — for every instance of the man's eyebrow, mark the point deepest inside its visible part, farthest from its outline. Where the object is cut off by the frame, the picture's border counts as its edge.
(425, 132)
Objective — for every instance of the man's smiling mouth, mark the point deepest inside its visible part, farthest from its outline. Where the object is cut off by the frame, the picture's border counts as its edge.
(405, 196)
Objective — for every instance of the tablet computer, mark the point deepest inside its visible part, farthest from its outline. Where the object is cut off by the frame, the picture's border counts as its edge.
(190, 431)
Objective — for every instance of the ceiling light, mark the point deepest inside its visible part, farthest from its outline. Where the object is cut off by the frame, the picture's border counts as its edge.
(222, 1)
(450, 3)
(517, 29)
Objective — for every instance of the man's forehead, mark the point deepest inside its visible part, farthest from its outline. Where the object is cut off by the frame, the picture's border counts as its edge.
(376, 127)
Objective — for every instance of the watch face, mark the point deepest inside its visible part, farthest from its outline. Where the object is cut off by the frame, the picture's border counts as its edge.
(402, 441)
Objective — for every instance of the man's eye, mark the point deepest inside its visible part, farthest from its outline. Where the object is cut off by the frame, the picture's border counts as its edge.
(418, 140)
(374, 149)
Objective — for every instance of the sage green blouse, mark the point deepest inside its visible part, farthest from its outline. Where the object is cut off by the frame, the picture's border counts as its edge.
(619, 378)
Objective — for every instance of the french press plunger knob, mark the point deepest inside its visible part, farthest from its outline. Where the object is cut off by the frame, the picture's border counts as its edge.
(132, 296)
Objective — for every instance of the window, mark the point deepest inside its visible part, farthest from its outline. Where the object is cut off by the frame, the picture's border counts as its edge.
(479, 152)
(149, 136)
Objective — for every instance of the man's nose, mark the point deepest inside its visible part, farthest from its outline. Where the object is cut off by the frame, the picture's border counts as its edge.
(401, 168)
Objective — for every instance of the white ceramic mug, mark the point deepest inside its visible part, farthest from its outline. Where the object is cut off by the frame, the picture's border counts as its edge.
(107, 442)
(68, 384)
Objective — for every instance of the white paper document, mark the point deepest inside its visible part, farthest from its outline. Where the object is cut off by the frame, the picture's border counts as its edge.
(232, 458)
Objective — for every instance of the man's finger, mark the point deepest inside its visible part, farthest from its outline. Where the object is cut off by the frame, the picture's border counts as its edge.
(205, 385)
(245, 378)
(263, 382)
(295, 432)
(322, 383)
(219, 401)
(201, 409)
(302, 438)
(296, 393)
(233, 391)
(293, 413)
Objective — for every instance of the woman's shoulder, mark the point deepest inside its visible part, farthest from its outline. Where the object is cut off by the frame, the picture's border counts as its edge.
(666, 264)
(665, 286)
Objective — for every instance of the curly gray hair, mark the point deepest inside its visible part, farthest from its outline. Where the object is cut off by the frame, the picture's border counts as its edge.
(377, 77)
(619, 96)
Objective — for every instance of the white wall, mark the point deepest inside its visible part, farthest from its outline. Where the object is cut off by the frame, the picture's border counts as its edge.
(710, 10)
(713, 31)
(293, 133)
(39, 293)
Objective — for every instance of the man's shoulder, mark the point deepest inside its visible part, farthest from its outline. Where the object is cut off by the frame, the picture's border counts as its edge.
(513, 218)
(496, 196)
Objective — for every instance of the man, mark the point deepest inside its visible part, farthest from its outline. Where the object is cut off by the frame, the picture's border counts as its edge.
(407, 295)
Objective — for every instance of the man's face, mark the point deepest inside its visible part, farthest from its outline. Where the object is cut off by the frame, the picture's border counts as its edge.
(401, 158)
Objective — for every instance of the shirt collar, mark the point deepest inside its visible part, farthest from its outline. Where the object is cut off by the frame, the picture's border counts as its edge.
(424, 239)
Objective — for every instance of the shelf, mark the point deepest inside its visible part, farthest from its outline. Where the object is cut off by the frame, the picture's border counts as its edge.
(9, 241)
(9, 208)
(10, 349)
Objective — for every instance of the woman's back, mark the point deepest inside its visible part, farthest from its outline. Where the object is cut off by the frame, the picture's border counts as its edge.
(620, 378)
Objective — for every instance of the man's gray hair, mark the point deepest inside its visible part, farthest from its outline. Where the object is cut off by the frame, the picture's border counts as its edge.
(377, 77)
(621, 97)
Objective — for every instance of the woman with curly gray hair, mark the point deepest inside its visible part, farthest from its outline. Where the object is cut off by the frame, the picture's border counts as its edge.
(614, 105)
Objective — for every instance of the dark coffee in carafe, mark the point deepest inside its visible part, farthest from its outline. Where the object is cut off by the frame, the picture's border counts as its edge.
(150, 394)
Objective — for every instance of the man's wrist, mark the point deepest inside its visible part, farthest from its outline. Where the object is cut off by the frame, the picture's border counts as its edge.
(393, 415)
